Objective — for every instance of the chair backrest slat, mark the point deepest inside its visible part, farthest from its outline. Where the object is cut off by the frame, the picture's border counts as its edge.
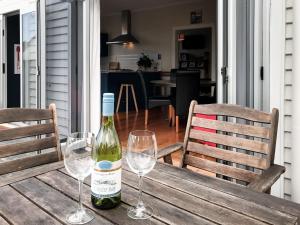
(244, 129)
(40, 134)
(234, 111)
(19, 114)
(27, 131)
(27, 146)
(219, 168)
(239, 142)
(236, 142)
(28, 162)
(235, 157)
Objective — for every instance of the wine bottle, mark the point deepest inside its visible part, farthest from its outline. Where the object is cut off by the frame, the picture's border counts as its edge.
(107, 154)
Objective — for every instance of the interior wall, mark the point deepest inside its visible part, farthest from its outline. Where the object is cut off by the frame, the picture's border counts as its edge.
(154, 30)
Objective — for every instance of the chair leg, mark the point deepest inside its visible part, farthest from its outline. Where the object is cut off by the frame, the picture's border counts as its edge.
(170, 114)
(173, 116)
(119, 97)
(134, 99)
(146, 116)
(177, 124)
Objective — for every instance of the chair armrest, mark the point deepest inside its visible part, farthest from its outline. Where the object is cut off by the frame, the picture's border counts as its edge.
(166, 152)
(264, 182)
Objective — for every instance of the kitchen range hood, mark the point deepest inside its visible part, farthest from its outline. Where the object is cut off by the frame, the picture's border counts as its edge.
(126, 36)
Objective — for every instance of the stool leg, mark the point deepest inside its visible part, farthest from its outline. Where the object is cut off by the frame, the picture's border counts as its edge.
(119, 97)
(134, 99)
(177, 124)
(126, 99)
(173, 116)
(170, 114)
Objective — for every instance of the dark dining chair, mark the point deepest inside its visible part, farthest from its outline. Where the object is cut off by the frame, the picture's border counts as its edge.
(24, 145)
(152, 101)
(243, 149)
(187, 89)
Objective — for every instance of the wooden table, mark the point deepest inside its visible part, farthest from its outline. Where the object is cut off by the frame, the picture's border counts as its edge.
(45, 194)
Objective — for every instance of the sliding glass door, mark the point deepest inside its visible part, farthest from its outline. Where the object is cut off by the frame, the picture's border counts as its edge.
(2, 63)
(243, 52)
(30, 90)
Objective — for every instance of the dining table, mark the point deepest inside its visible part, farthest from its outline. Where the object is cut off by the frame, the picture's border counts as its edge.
(172, 83)
(165, 85)
(46, 194)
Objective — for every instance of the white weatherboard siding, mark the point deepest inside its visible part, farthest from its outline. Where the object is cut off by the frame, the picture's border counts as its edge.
(288, 99)
(57, 61)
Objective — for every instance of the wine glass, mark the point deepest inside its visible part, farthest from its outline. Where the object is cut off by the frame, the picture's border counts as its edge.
(79, 164)
(141, 156)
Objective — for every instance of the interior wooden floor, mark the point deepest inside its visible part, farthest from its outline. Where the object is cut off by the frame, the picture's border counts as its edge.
(158, 122)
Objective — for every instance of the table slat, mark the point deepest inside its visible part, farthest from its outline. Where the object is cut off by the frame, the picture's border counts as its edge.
(243, 193)
(19, 210)
(163, 211)
(218, 198)
(190, 203)
(55, 203)
(68, 186)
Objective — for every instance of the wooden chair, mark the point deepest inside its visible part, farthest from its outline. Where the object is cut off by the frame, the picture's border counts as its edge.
(17, 141)
(153, 101)
(187, 89)
(245, 147)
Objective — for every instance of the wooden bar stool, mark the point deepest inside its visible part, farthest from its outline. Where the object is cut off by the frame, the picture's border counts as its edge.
(133, 95)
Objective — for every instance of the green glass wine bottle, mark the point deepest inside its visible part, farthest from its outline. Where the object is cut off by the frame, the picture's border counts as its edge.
(107, 156)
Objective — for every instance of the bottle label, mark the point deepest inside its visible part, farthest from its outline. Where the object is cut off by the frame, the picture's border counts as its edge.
(106, 179)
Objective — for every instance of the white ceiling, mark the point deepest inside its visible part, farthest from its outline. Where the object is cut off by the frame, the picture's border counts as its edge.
(110, 7)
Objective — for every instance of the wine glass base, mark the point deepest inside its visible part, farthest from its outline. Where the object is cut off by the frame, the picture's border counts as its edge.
(80, 217)
(142, 214)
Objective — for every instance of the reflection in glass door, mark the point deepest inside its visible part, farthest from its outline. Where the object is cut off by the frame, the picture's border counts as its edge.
(29, 60)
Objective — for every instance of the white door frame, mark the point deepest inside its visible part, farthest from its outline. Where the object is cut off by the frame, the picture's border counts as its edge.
(91, 66)
(277, 71)
(3, 74)
(266, 55)
(258, 55)
(231, 51)
(220, 51)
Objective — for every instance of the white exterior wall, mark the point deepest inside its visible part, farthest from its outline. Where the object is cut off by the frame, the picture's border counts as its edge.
(58, 46)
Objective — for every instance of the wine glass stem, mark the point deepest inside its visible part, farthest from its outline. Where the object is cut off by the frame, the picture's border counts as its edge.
(80, 208)
(140, 204)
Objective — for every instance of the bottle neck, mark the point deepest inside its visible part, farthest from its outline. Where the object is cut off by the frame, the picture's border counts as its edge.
(108, 120)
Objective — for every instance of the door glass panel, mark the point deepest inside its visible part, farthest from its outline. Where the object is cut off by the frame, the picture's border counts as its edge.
(2, 88)
(29, 59)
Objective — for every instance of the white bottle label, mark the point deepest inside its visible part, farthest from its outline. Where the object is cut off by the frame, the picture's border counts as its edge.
(106, 179)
